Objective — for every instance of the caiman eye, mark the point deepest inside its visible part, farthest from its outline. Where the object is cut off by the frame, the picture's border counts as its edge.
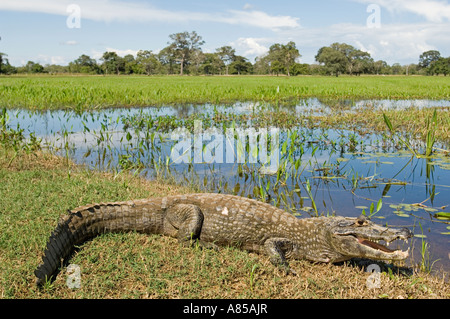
(361, 220)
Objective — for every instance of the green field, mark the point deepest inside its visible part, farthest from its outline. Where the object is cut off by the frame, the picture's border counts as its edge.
(92, 92)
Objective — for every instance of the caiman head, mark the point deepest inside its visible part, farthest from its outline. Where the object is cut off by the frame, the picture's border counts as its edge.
(361, 238)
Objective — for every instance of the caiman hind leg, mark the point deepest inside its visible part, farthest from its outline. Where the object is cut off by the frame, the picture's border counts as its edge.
(276, 249)
(187, 219)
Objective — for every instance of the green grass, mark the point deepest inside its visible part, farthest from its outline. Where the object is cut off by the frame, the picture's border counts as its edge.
(36, 191)
(91, 92)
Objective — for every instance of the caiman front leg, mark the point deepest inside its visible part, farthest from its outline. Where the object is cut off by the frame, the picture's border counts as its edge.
(276, 249)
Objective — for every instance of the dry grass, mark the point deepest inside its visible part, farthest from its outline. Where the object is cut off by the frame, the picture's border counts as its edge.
(36, 190)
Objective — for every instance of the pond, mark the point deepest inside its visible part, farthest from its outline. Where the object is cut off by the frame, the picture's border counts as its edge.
(305, 170)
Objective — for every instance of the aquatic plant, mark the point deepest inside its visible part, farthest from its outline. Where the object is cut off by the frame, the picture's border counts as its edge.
(372, 210)
(430, 131)
(393, 132)
(15, 139)
(431, 135)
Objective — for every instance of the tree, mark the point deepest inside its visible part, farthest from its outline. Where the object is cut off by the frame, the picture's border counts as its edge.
(196, 61)
(212, 64)
(227, 55)
(262, 64)
(282, 56)
(289, 56)
(112, 62)
(240, 65)
(54, 68)
(147, 62)
(129, 64)
(359, 62)
(317, 69)
(84, 64)
(341, 57)
(1, 60)
(428, 57)
(380, 67)
(167, 58)
(276, 67)
(183, 46)
(335, 61)
(5, 67)
(396, 68)
(32, 67)
(274, 58)
(85, 60)
(441, 66)
(410, 68)
(299, 68)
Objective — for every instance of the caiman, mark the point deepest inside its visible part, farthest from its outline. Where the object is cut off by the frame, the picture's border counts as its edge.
(214, 220)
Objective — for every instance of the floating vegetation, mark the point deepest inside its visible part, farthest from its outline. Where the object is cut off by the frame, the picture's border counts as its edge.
(442, 215)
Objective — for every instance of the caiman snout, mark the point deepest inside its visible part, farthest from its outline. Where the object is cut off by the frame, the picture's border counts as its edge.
(360, 237)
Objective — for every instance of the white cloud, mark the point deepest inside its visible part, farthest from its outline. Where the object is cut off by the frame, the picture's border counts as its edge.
(69, 42)
(96, 54)
(260, 19)
(127, 11)
(401, 43)
(432, 10)
(250, 47)
(47, 59)
(122, 52)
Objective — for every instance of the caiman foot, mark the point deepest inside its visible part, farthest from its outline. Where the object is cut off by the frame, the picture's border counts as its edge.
(276, 249)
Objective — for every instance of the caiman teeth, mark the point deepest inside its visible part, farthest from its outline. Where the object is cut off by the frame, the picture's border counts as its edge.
(378, 245)
(374, 245)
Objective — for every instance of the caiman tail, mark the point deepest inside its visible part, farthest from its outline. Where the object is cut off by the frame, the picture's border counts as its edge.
(80, 225)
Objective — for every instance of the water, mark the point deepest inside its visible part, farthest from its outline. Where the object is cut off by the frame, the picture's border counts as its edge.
(346, 172)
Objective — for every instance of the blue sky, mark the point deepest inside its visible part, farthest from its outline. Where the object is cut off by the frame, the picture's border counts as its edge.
(390, 30)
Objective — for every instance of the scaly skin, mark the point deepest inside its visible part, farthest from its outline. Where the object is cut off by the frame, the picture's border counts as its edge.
(220, 220)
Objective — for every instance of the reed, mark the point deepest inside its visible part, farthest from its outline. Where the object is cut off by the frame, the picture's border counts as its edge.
(430, 131)
(431, 134)
(393, 132)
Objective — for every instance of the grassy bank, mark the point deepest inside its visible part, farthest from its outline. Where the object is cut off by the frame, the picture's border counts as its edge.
(92, 92)
(36, 189)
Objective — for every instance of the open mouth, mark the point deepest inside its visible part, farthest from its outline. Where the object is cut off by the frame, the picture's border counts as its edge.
(379, 246)
(369, 240)
(374, 245)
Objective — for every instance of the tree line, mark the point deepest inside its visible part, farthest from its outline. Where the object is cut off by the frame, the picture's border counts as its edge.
(184, 55)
